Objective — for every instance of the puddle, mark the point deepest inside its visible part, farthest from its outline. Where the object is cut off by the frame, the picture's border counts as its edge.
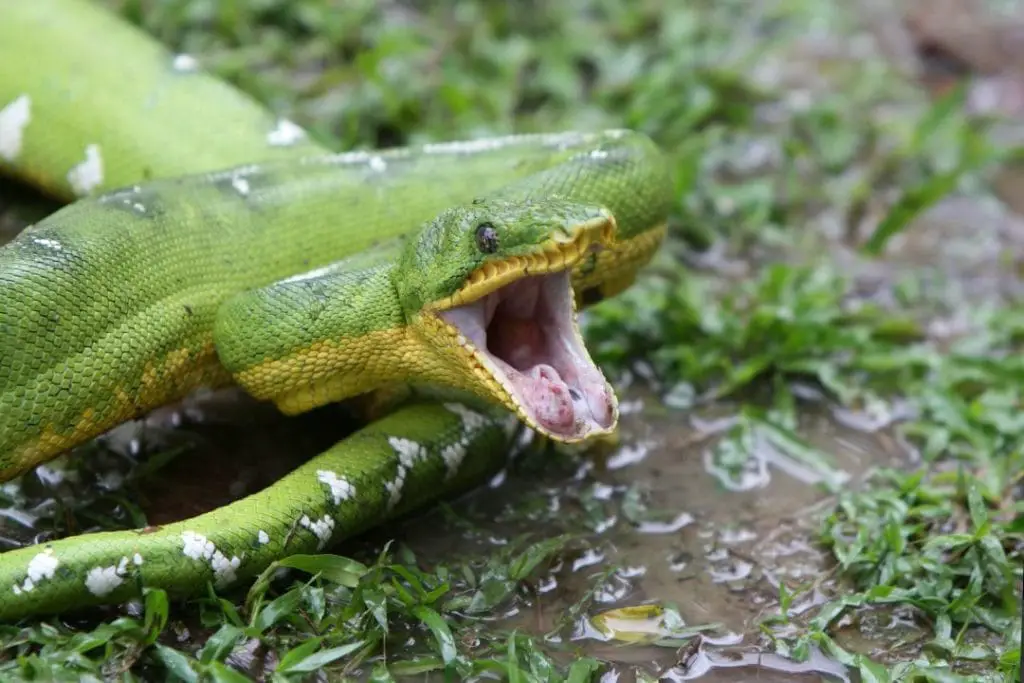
(716, 554)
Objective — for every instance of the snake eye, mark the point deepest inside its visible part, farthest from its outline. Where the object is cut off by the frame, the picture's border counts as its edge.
(487, 238)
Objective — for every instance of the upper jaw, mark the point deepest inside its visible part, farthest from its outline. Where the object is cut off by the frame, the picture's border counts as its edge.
(560, 253)
(523, 345)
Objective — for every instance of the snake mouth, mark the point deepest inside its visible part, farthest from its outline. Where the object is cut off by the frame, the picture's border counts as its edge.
(522, 337)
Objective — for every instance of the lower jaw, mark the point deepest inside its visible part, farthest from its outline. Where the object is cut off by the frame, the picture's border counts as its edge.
(487, 386)
(483, 393)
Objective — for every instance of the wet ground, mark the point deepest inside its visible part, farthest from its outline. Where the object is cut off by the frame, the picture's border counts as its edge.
(713, 544)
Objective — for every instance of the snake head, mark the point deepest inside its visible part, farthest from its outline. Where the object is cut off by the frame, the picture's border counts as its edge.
(488, 288)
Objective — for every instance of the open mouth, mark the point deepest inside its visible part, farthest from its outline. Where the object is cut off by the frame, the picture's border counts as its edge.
(525, 335)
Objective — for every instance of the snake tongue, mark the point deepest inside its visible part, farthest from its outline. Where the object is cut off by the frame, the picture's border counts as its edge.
(526, 335)
(543, 390)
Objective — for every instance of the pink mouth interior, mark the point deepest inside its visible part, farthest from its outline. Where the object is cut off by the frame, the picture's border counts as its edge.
(526, 332)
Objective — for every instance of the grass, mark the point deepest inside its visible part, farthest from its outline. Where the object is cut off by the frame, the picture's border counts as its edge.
(769, 145)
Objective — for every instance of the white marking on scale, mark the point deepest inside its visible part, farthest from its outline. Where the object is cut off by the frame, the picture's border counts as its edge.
(87, 175)
(198, 547)
(263, 537)
(394, 489)
(472, 421)
(13, 119)
(453, 455)
(101, 581)
(340, 487)
(40, 568)
(455, 452)
(321, 528)
(185, 63)
(409, 453)
(223, 568)
(285, 133)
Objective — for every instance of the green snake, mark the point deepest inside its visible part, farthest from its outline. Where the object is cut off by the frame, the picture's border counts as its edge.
(208, 243)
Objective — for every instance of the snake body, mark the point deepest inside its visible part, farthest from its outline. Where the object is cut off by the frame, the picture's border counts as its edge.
(210, 243)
